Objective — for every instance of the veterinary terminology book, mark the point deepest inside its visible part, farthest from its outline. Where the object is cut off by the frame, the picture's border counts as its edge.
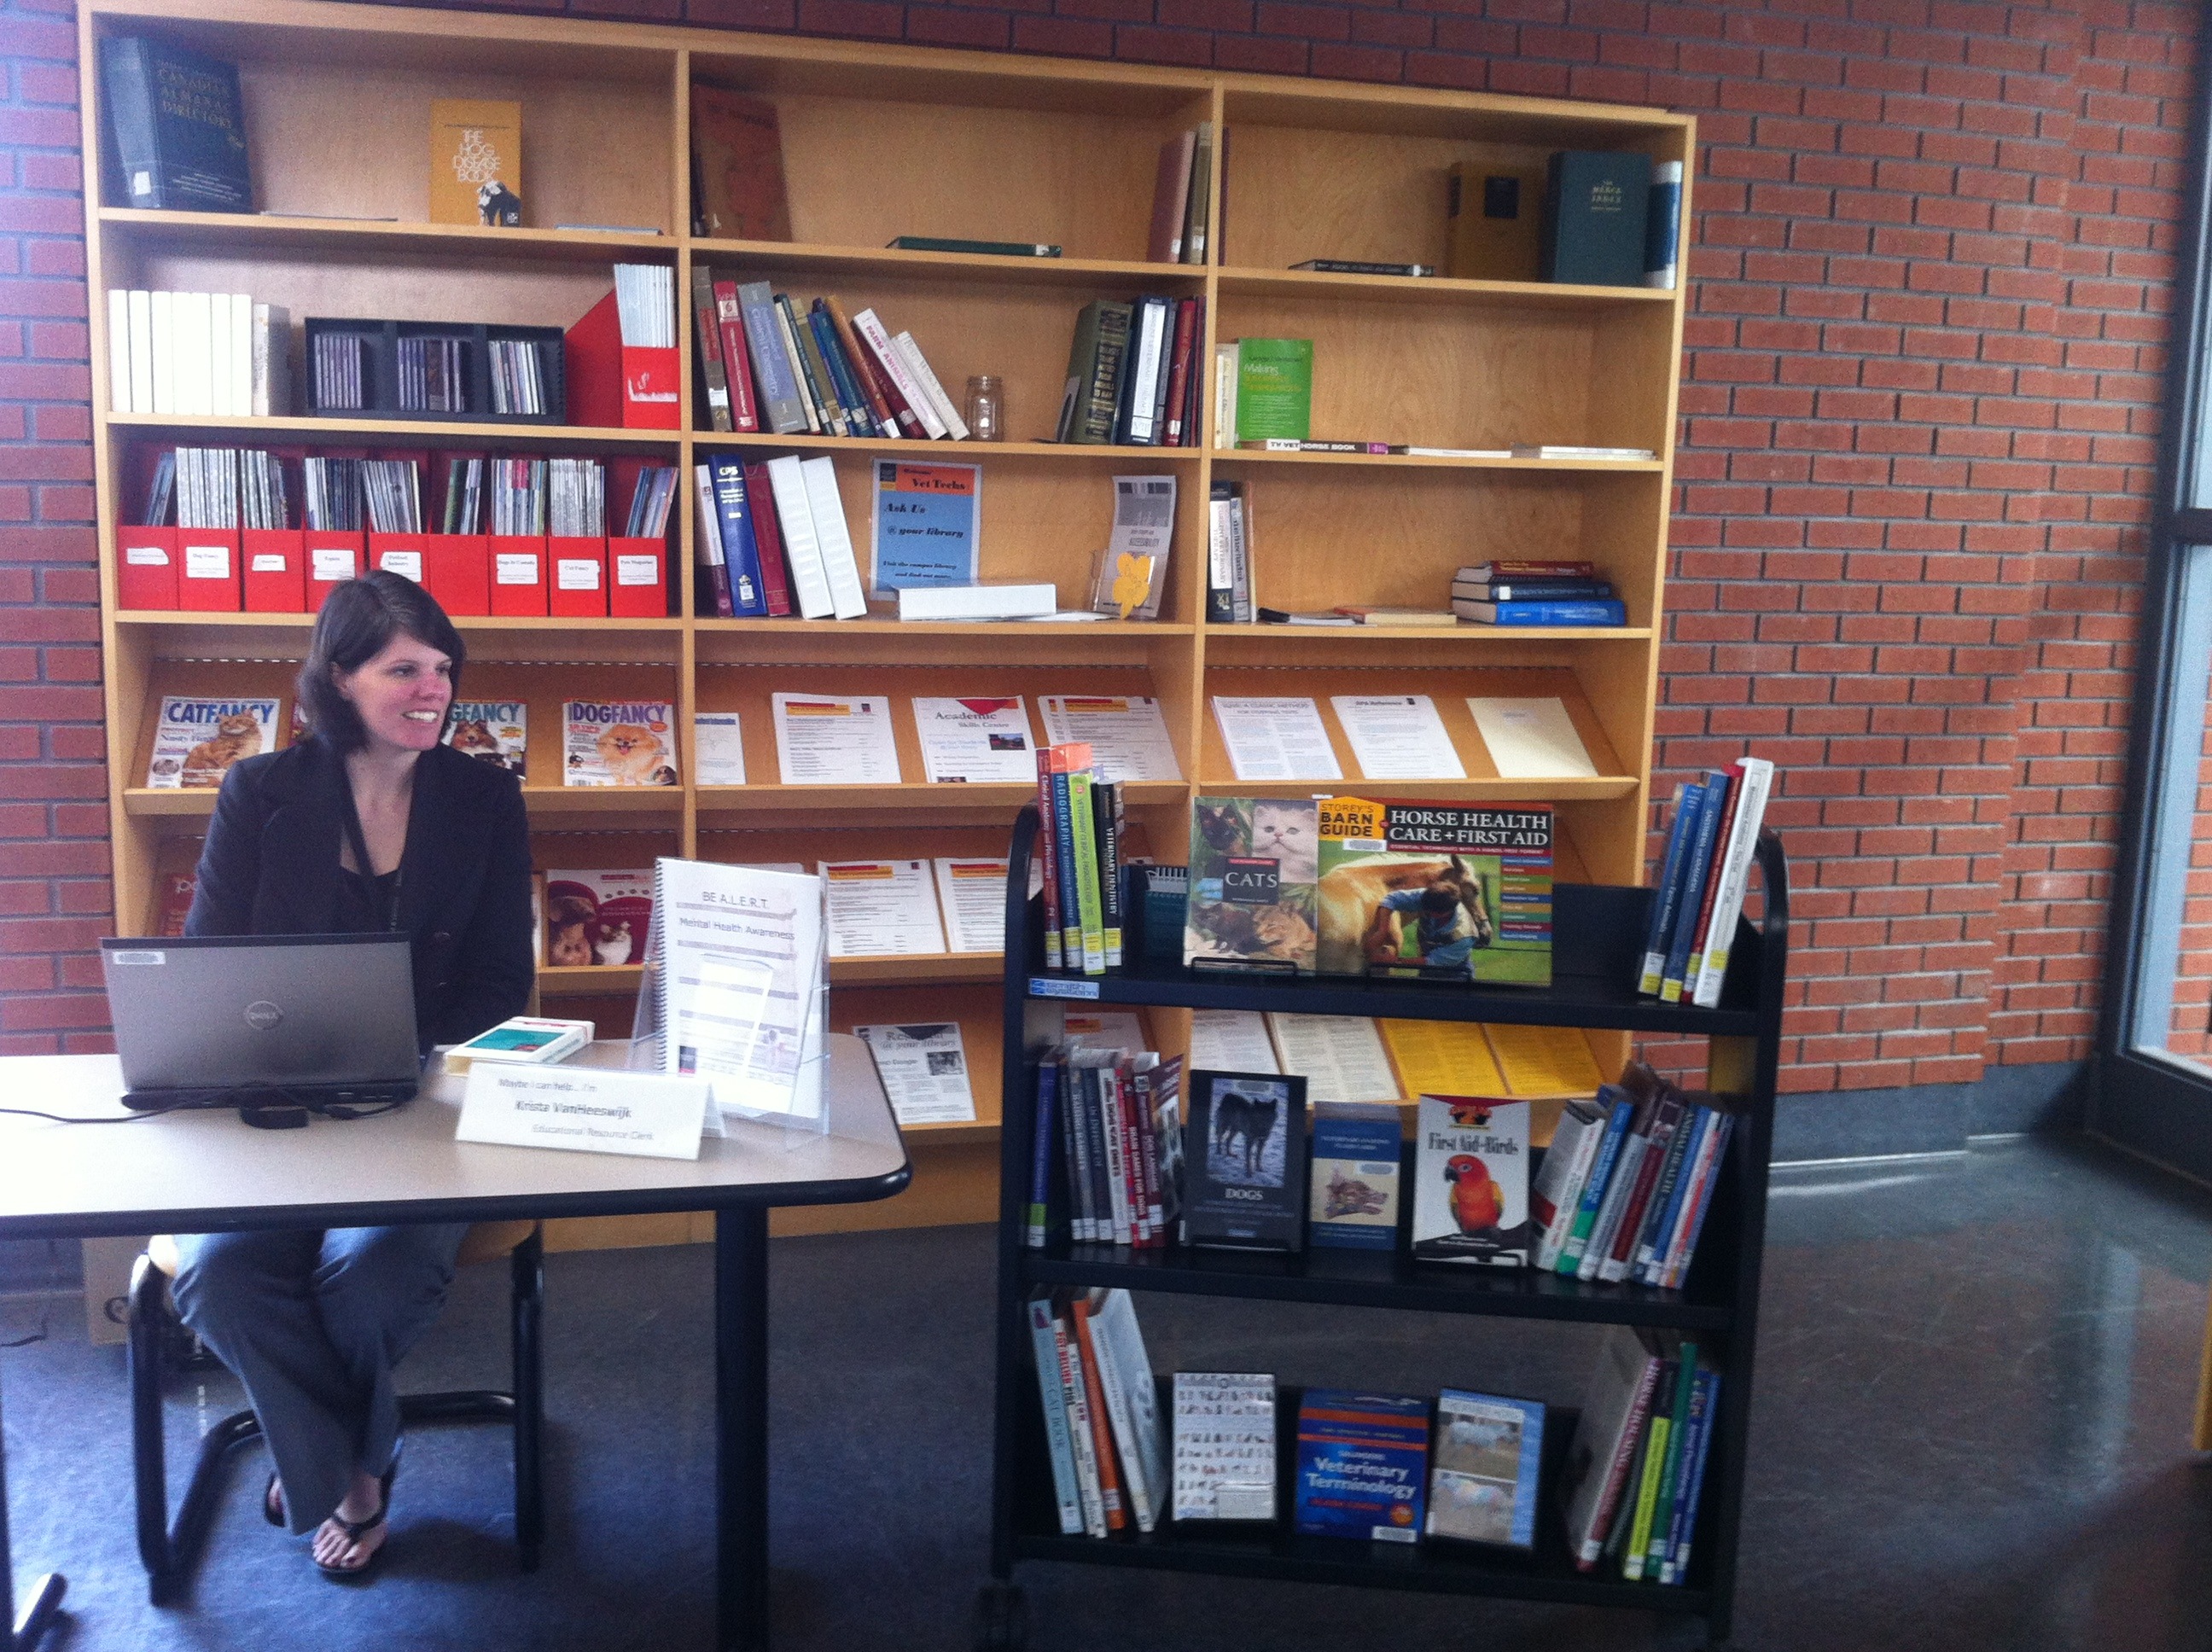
(880, 907)
(618, 743)
(824, 740)
(496, 730)
(1443, 891)
(196, 740)
(1362, 1464)
(1471, 1182)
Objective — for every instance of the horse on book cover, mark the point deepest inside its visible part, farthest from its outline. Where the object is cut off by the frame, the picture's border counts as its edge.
(1365, 908)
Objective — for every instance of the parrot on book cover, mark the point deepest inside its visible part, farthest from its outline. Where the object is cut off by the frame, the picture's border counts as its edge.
(1476, 1202)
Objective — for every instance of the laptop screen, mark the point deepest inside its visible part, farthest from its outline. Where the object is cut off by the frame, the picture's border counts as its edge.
(218, 1013)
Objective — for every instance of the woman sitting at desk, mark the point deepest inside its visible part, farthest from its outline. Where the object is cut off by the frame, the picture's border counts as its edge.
(367, 823)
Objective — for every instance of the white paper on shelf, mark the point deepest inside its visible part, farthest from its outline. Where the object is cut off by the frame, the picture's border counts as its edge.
(1397, 736)
(821, 740)
(1128, 736)
(1275, 738)
(1231, 1041)
(882, 909)
(1340, 1056)
(971, 893)
(740, 954)
(980, 741)
(1101, 1030)
(1531, 739)
(925, 1071)
(718, 747)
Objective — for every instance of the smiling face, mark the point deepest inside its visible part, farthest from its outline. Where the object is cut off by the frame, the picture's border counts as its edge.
(401, 695)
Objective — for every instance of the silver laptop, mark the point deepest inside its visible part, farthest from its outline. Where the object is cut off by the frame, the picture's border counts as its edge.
(247, 1020)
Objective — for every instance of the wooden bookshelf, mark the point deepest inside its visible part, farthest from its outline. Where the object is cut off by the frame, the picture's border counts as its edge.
(881, 141)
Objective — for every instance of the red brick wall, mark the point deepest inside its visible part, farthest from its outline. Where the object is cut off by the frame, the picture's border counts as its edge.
(1930, 290)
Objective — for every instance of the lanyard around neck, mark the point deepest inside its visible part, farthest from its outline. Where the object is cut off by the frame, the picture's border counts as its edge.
(360, 841)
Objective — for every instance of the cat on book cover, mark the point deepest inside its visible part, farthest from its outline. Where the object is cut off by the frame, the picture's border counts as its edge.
(1393, 909)
(1235, 836)
(235, 737)
(577, 932)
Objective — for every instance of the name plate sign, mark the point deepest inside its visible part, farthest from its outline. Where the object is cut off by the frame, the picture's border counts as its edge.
(583, 1109)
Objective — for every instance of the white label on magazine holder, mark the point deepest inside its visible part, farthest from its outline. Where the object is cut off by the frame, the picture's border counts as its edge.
(332, 563)
(265, 561)
(637, 570)
(146, 555)
(207, 562)
(579, 574)
(138, 958)
(408, 564)
(517, 567)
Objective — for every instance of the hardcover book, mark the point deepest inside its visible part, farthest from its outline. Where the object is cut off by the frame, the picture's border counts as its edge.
(496, 730)
(599, 916)
(1244, 1161)
(1363, 1465)
(1251, 883)
(737, 167)
(1496, 217)
(1596, 203)
(618, 743)
(476, 163)
(1471, 1182)
(179, 135)
(197, 739)
(1434, 890)
(1355, 1175)
(1488, 1450)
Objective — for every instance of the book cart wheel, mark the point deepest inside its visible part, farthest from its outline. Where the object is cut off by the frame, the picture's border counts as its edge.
(1002, 1618)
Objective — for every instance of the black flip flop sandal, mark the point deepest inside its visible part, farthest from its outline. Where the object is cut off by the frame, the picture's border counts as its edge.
(357, 1529)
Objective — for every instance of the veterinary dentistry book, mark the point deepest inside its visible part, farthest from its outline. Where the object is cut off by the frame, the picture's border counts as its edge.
(196, 740)
(618, 743)
(496, 730)
(1471, 1182)
(1440, 891)
(1482, 1487)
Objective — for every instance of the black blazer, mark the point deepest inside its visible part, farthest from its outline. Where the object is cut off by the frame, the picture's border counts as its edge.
(271, 867)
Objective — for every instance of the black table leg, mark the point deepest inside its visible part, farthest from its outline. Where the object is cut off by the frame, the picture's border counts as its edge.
(741, 1428)
(46, 1599)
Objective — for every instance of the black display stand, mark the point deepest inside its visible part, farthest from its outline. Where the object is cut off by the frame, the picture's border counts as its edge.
(380, 369)
(1598, 936)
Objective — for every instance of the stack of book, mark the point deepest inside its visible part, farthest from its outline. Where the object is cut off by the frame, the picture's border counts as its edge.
(1081, 822)
(773, 540)
(1636, 1471)
(1131, 378)
(523, 370)
(768, 364)
(196, 353)
(1104, 1431)
(1623, 1189)
(1229, 599)
(1183, 198)
(1703, 881)
(1536, 592)
(1098, 1113)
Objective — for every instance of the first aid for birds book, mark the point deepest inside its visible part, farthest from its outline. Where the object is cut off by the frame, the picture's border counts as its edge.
(1471, 1180)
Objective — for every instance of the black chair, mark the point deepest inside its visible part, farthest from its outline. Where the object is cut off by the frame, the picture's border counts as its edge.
(168, 1550)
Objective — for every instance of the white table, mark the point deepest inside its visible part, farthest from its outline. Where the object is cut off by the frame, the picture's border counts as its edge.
(206, 1172)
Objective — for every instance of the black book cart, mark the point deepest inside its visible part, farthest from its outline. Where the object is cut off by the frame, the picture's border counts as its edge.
(1598, 937)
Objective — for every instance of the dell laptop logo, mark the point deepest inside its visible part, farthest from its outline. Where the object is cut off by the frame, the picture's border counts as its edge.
(261, 1015)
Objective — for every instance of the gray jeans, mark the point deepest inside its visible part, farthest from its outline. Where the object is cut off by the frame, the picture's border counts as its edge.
(312, 1323)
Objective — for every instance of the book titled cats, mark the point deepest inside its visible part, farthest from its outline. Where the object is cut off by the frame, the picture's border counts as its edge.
(197, 739)
(618, 743)
(1251, 900)
(496, 731)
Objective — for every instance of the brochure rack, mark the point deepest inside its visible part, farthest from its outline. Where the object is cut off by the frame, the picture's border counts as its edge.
(1598, 935)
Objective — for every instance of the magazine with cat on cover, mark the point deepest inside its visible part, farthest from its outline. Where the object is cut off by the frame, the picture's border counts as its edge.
(1441, 891)
(196, 739)
(1251, 883)
(618, 743)
(599, 916)
(497, 731)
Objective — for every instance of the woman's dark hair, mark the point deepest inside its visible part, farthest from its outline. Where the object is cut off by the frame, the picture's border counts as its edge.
(358, 621)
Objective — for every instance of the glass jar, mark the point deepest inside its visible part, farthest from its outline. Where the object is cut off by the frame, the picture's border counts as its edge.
(986, 408)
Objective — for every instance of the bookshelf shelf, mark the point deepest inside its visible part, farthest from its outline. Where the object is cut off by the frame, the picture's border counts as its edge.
(880, 141)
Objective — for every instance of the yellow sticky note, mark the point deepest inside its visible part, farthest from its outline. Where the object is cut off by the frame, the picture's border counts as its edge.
(1546, 1060)
(1443, 1057)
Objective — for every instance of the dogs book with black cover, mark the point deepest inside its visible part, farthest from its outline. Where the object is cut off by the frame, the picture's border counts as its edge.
(1441, 891)
(1244, 1161)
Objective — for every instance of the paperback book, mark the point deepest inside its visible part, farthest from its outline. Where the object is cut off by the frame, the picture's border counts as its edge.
(1225, 1446)
(1471, 1182)
(195, 740)
(618, 743)
(1439, 891)
(1488, 1452)
(1252, 892)
(598, 916)
(1355, 1175)
(1244, 1162)
(1362, 1464)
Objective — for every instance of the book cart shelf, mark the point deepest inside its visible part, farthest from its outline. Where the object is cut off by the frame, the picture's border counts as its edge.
(878, 141)
(1598, 947)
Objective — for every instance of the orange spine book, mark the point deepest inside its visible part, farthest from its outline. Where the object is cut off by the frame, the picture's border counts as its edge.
(1109, 1479)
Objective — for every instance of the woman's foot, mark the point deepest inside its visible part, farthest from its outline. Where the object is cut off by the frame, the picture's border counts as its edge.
(346, 1542)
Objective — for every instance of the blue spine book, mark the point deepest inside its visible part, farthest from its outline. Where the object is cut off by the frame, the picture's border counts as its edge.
(1061, 1444)
(1666, 1197)
(1684, 1523)
(1040, 1126)
(781, 410)
(1667, 894)
(1592, 611)
(1662, 226)
(1608, 1152)
(1698, 867)
(1694, 1220)
(857, 413)
(740, 551)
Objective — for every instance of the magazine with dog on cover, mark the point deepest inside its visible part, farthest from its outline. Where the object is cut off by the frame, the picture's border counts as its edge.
(618, 743)
(1439, 891)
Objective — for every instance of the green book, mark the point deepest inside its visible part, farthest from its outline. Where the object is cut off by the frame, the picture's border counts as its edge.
(999, 249)
(1647, 1480)
(1095, 360)
(1274, 389)
(1670, 1471)
(1090, 911)
(1596, 203)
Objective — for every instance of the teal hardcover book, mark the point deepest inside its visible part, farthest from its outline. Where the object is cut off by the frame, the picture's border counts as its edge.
(1595, 205)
